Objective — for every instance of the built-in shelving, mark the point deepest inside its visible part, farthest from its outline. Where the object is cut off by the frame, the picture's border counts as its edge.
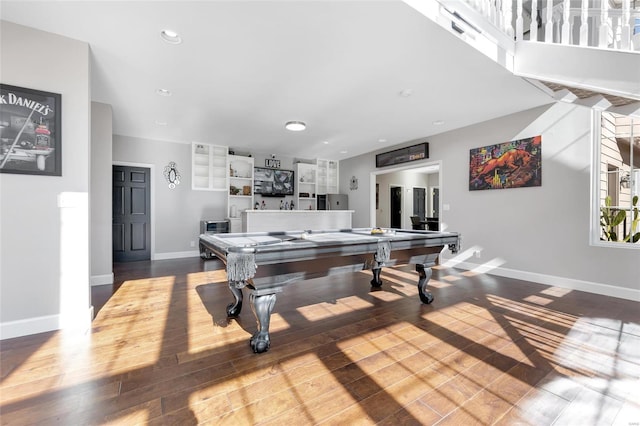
(306, 186)
(240, 173)
(327, 176)
(208, 167)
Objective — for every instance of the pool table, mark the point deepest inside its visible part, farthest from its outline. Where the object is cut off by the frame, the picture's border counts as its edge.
(265, 262)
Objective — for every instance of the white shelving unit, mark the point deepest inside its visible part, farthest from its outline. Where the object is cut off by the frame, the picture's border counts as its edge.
(240, 173)
(306, 186)
(327, 176)
(208, 167)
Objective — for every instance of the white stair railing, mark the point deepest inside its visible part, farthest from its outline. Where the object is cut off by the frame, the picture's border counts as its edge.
(594, 23)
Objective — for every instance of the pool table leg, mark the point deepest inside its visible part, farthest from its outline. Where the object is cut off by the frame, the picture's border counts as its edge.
(424, 275)
(376, 281)
(376, 269)
(234, 308)
(262, 307)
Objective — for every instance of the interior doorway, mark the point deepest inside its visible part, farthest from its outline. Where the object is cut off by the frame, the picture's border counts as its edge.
(395, 209)
(382, 181)
(131, 214)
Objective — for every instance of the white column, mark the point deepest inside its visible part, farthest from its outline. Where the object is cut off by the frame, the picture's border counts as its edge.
(584, 23)
(507, 17)
(548, 26)
(625, 35)
(566, 28)
(603, 35)
(533, 28)
(519, 24)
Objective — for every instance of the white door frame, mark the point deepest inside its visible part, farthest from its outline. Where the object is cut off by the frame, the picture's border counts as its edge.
(437, 165)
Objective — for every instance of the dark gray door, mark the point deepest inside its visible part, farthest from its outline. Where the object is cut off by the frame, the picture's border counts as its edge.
(131, 214)
(396, 207)
(419, 196)
(435, 202)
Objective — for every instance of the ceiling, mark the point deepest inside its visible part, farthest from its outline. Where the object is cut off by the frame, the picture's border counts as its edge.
(245, 68)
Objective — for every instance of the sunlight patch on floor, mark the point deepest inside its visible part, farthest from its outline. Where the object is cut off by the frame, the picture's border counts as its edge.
(596, 379)
(315, 312)
(451, 278)
(136, 416)
(355, 303)
(278, 323)
(533, 311)
(129, 310)
(556, 291)
(386, 296)
(461, 257)
(538, 300)
(437, 284)
(327, 309)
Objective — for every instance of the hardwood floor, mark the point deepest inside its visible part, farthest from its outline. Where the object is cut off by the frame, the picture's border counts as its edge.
(488, 350)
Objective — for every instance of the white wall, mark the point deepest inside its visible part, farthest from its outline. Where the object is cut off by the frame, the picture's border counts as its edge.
(44, 248)
(101, 198)
(539, 234)
(177, 212)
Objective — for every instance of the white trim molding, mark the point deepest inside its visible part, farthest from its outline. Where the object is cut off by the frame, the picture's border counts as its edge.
(101, 279)
(554, 281)
(175, 255)
(28, 326)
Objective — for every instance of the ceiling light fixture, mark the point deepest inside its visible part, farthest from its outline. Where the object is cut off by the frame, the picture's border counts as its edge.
(295, 126)
(163, 92)
(170, 37)
(381, 140)
(438, 123)
(161, 123)
(325, 142)
(343, 152)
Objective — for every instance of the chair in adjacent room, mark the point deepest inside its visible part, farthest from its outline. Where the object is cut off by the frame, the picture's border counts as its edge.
(416, 223)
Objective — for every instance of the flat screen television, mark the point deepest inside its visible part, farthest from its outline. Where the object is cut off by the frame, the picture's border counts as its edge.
(272, 182)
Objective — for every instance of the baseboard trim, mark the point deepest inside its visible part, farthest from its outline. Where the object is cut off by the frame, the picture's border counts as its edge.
(101, 279)
(552, 280)
(176, 255)
(28, 326)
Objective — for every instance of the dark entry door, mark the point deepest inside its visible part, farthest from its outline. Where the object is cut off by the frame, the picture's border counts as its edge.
(419, 197)
(396, 207)
(131, 214)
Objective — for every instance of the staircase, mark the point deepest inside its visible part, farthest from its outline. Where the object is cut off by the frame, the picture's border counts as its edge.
(585, 52)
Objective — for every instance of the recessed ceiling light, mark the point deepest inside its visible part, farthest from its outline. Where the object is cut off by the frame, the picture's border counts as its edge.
(438, 123)
(171, 37)
(161, 123)
(325, 142)
(295, 126)
(163, 92)
(405, 93)
(382, 140)
(343, 152)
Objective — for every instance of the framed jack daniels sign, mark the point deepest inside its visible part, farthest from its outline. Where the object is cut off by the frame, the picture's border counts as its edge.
(403, 155)
(30, 141)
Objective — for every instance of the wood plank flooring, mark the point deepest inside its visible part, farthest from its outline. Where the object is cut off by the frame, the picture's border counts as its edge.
(488, 351)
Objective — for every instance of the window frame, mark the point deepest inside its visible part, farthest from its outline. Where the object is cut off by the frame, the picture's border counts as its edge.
(596, 187)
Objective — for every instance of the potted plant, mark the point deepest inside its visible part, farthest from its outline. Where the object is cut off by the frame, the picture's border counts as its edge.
(610, 218)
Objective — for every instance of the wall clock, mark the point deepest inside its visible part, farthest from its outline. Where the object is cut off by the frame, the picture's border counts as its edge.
(353, 185)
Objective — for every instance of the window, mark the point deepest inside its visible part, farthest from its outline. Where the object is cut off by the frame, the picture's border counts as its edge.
(617, 180)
